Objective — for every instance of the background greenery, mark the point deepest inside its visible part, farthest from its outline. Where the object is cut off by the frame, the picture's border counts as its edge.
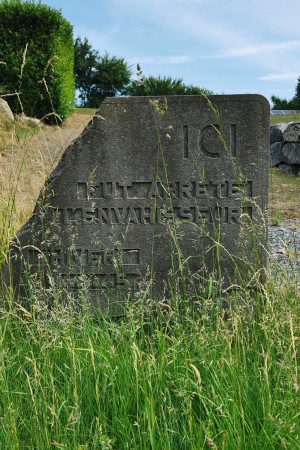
(37, 55)
(40, 64)
(293, 104)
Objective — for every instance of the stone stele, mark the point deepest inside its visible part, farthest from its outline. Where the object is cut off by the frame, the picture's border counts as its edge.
(154, 191)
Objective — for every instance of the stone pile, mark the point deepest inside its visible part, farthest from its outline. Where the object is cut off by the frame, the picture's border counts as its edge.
(285, 147)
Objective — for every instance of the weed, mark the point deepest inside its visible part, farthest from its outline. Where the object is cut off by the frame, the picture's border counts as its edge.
(276, 218)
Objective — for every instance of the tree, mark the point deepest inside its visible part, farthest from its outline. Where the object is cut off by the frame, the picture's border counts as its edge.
(37, 59)
(296, 98)
(162, 86)
(98, 76)
(280, 103)
(85, 59)
(110, 78)
(294, 103)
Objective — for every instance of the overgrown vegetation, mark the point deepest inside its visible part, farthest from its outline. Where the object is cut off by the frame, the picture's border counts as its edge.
(164, 379)
(37, 59)
(174, 376)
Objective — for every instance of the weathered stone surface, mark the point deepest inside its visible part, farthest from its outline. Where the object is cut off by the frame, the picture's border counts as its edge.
(5, 112)
(283, 126)
(293, 170)
(292, 132)
(276, 153)
(291, 153)
(149, 192)
(275, 134)
(285, 146)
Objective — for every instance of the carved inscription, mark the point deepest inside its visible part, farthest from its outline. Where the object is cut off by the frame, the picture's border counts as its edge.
(197, 201)
(109, 203)
(151, 215)
(98, 281)
(211, 142)
(185, 141)
(97, 268)
(87, 257)
(140, 190)
(130, 204)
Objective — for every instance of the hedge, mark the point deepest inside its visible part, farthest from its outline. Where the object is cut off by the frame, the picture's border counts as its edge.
(37, 60)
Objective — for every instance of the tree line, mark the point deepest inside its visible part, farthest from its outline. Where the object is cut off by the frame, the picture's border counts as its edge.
(282, 103)
(99, 76)
(41, 65)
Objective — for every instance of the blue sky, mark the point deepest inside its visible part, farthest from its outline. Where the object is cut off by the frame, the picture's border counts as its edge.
(228, 46)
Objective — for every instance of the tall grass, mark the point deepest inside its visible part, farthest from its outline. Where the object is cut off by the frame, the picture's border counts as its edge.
(165, 378)
(170, 375)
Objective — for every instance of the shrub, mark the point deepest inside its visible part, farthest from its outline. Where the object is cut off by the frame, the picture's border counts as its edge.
(36, 47)
(163, 86)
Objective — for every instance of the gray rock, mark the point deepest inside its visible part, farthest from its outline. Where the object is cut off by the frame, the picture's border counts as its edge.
(293, 170)
(145, 195)
(276, 153)
(275, 134)
(291, 153)
(6, 116)
(292, 132)
(283, 126)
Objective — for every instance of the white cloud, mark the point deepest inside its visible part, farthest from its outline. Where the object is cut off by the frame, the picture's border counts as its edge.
(288, 76)
(260, 49)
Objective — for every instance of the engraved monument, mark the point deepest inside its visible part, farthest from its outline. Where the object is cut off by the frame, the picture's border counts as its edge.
(154, 189)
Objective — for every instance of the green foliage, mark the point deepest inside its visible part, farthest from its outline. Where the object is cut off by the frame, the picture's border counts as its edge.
(98, 76)
(169, 378)
(282, 103)
(296, 98)
(36, 45)
(294, 103)
(85, 59)
(162, 86)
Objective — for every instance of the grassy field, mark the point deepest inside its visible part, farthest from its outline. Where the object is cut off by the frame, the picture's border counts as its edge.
(284, 118)
(284, 196)
(174, 376)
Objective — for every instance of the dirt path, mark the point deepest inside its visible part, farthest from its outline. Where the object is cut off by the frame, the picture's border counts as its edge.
(27, 156)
